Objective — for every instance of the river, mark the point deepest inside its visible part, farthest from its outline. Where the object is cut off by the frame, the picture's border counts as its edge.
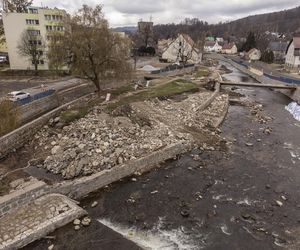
(226, 200)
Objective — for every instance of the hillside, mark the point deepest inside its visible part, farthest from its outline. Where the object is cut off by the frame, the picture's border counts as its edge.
(286, 21)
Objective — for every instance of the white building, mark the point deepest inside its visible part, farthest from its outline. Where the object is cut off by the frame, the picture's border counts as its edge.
(253, 55)
(229, 48)
(183, 47)
(292, 59)
(212, 46)
(40, 22)
(220, 39)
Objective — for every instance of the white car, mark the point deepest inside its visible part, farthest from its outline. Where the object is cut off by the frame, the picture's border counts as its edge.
(17, 95)
(3, 59)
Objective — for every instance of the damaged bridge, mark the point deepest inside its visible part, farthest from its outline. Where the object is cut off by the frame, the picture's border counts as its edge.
(260, 85)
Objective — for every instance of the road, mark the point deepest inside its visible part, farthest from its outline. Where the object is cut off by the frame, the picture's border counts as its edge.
(266, 68)
(243, 196)
(37, 87)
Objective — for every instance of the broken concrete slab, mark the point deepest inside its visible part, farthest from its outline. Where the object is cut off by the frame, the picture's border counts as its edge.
(37, 219)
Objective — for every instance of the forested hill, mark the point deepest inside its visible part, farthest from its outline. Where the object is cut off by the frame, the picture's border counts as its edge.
(286, 21)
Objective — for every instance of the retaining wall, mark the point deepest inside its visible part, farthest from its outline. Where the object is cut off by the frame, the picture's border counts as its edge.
(295, 95)
(20, 136)
(80, 188)
(34, 109)
(18, 198)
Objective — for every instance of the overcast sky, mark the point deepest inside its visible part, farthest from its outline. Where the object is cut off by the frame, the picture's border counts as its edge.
(129, 12)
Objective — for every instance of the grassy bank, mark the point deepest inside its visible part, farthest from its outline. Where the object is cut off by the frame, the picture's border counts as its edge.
(164, 90)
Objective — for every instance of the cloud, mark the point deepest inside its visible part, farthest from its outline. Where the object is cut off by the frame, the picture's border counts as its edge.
(129, 12)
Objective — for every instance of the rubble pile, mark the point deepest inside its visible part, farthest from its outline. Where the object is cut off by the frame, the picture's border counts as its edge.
(257, 111)
(185, 113)
(101, 141)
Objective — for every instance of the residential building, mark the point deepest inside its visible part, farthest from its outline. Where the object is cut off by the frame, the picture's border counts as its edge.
(292, 59)
(219, 39)
(229, 48)
(253, 55)
(40, 23)
(212, 46)
(162, 45)
(209, 38)
(279, 50)
(183, 47)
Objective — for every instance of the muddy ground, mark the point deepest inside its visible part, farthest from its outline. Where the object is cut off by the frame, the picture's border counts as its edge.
(244, 197)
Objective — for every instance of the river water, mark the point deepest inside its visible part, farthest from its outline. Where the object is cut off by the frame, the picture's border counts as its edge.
(230, 196)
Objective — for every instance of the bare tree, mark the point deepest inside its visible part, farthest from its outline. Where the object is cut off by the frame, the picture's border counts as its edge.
(32, 46)
(57, 54)
(2, 35)
(16, 5)
(97, 53)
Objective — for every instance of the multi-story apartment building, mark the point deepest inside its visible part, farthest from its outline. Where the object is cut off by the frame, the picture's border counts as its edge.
(39, 23)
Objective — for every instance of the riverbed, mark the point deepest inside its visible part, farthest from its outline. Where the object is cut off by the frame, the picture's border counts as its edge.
(246, 196)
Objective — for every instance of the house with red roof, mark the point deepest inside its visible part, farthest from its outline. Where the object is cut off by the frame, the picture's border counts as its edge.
(229, 48)
(292, 59)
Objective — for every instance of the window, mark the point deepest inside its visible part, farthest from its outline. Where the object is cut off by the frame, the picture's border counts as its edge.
(33, 11)
(32, 21)
(34, 32)
(49, 27)
(48, 17)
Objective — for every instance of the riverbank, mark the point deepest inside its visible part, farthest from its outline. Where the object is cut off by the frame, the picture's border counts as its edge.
(242, 195)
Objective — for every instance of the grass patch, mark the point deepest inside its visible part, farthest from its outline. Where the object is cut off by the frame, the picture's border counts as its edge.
(73, 114)
(122, 90)
(8, 117)
(202, 73)
(165, 90)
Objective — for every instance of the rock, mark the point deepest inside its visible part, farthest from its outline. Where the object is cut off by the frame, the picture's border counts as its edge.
(279, 203)
(55, 150)
(249, 144)
(76, 222)
(246, 216)
(86, 221)
(56, 120)
(53, 143)
(81, 146)
(77, 227)
(283, 197)
(94, 204)
(154, 192)
(133, 179)
(185, 213)
(51, 247)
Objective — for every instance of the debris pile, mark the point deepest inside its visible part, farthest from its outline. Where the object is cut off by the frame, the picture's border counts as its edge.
(101, 141)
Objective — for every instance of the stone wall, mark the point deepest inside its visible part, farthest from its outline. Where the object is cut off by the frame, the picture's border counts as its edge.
(80, 188)
(20, 136)
(36, 108)
(21, 197)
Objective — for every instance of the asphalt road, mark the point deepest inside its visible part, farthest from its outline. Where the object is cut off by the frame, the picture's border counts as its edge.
(38, 86)
(246, 196)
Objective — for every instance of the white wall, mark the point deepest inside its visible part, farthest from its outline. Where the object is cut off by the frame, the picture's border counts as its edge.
(171, 53)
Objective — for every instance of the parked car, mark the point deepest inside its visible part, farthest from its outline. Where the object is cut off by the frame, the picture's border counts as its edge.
(17, 95)
(3, 59)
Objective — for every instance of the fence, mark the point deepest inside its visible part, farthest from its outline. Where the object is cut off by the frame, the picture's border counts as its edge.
(172, 68)
(35, 97)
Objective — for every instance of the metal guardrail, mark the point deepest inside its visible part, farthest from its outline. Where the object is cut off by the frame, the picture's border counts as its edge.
(35, 97)
(277, 78)
(172, 68)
